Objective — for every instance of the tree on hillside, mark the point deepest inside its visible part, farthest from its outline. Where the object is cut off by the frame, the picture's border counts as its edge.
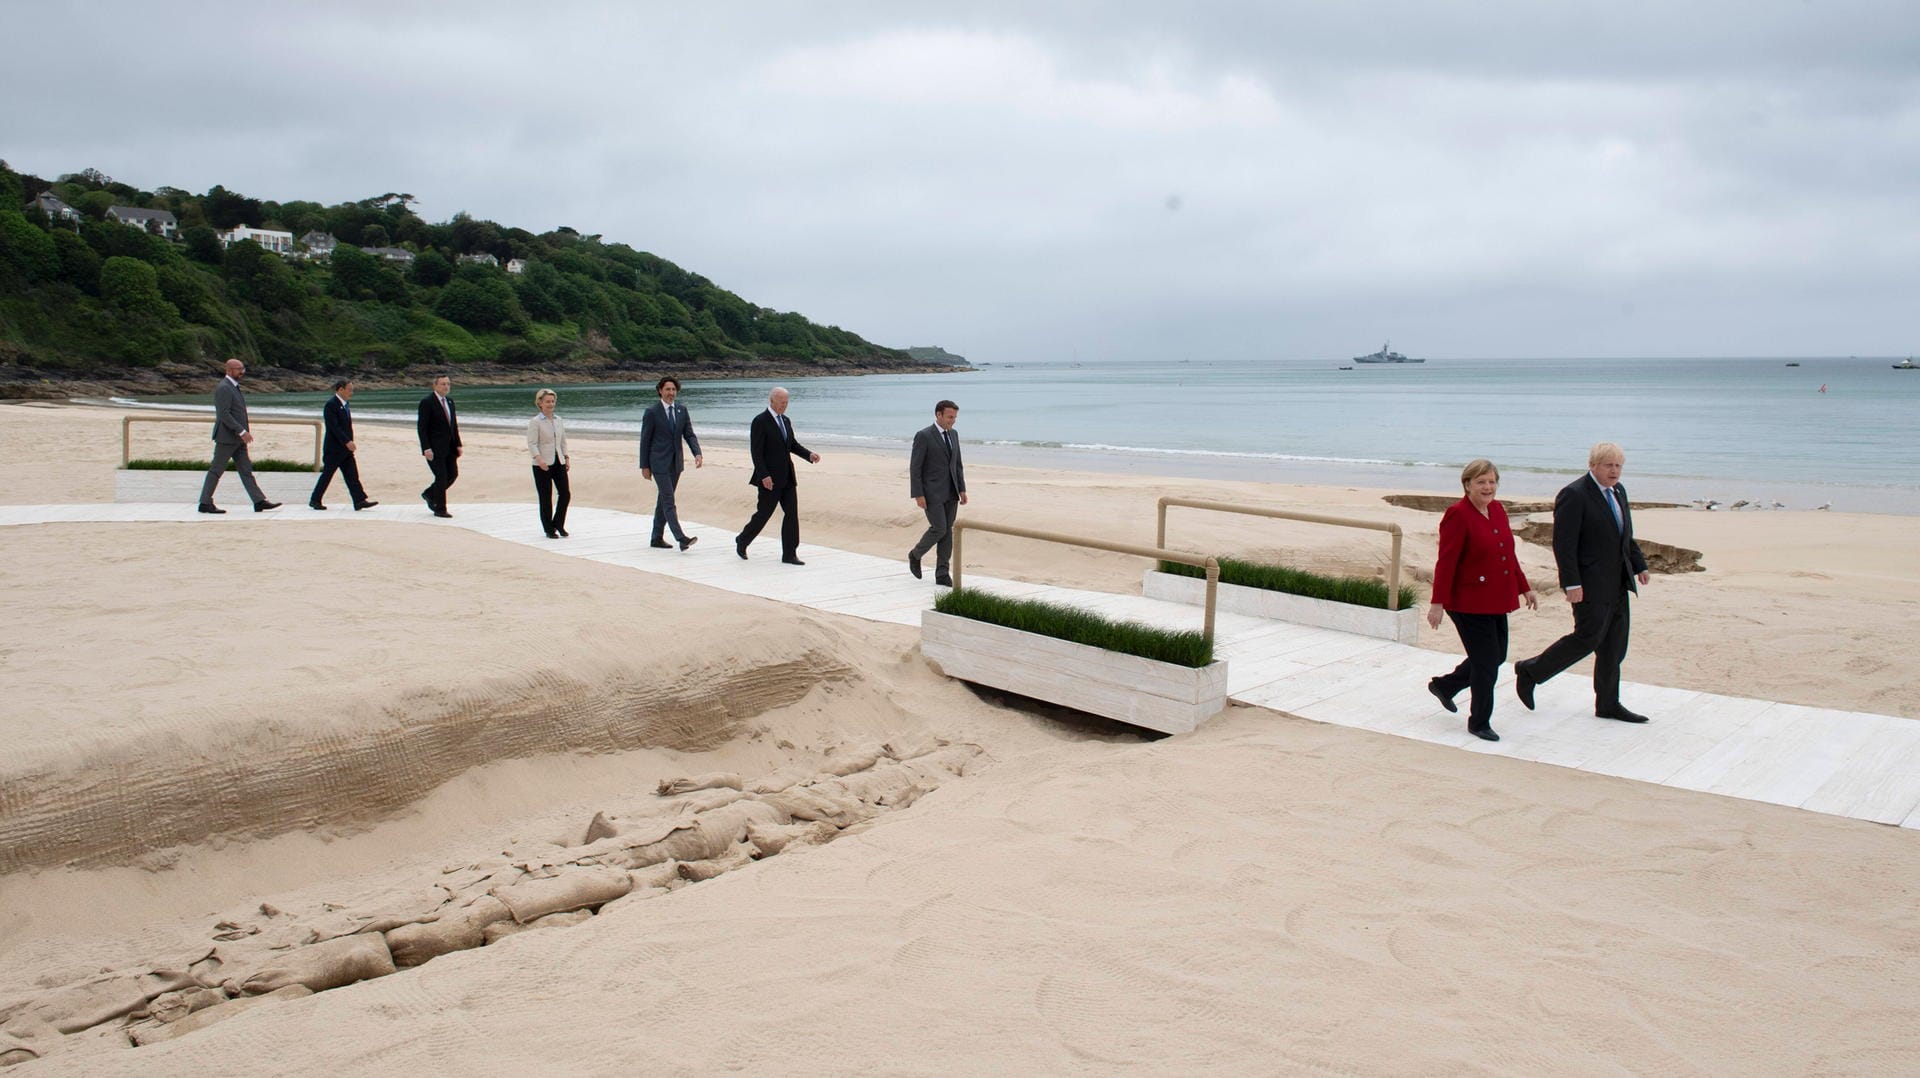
(358, 275)
(26, 252)
(432, 269)
(227, 209)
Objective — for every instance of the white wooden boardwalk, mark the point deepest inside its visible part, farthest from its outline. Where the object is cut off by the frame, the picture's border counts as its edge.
(1845, 763)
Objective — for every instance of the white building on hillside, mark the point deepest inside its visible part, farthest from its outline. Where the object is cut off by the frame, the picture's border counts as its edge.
(277, 242)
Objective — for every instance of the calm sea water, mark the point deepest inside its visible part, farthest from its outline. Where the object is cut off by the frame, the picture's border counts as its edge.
(1726, 429)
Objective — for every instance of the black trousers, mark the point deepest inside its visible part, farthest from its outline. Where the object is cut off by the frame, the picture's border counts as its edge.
(349, 473)
(939, 534)
(546, 480)
(1599, 629)
(1485, 638)
(664, 514)
(446, 469)
(788, 499)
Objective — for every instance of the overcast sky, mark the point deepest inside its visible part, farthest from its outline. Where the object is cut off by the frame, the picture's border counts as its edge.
(1103, 180)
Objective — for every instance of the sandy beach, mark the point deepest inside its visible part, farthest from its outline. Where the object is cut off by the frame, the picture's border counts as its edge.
(356, 720)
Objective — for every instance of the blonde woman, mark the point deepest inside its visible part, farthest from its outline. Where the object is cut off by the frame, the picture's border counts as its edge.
(1477, 582)
(547, 444)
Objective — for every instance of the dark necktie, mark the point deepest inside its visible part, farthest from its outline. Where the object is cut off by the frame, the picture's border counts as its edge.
(786, 432)
(1618, 521)
(670, 420)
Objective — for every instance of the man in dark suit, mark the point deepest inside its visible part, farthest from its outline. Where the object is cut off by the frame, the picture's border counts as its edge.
(937, 483)
(772, 442)
(440, 444)
(1599, 564)
(662, 430)
(336, 450)
(230, 440)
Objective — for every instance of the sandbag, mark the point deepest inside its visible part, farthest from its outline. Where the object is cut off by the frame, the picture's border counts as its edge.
(598, 828)
(790, 775)
(174, 1006)
(912, 745)
(710, 836)
(145, 1035)
(696, 871)
(877, 786)
(713, 780)
(82, 1006)
(330, 964)
(500, 930)
(572, 889)
(768, 840)
(810, 803)
(456, 930)
(848, 763)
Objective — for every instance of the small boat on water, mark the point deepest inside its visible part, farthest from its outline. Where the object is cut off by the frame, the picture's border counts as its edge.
(1793, 364)
(1386, 355)
(1907, 366)
(1346, 368)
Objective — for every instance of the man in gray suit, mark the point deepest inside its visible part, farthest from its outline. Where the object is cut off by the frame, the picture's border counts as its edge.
(662, 429)
(230, 440)
(937, 483)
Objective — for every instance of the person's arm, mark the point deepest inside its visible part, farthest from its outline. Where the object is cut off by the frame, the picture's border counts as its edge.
(802, 451)
(1453, 543)
(647, 429)
(560, 454)
(533, 442)
(1568, 511)
(1638, 559)
(693, 443)
(916, 489)
(453, 420)
(1519, 574)
(426, 447)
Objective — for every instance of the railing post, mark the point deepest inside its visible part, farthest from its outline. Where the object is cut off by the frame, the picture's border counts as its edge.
(1213, 588)
(126, 440)
(1393, 573)
(959, 560)
(1160, 536)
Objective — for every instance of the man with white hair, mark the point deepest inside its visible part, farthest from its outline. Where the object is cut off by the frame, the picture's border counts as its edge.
(772, 442)
(1599, 564)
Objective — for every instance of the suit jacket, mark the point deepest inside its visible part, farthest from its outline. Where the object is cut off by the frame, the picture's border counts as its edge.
(229, 412)
(439, 431)
(659, 447)
(339, 431)
(772, 453)
(1477, 571)
(547, 442)
(1589, 549)
(934, 473)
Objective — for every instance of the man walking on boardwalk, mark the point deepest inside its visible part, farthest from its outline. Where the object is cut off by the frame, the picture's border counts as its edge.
(937, 483)
(230, 440)
(662, 430)
(440, 444)
(1599, 562)
(337, 449)
(772, 442)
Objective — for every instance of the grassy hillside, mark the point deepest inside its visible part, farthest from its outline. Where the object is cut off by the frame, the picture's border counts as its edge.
(97, 298)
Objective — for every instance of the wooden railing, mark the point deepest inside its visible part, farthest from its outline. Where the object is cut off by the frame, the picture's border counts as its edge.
(1393, 565)
(1183, 557)
(127, 422)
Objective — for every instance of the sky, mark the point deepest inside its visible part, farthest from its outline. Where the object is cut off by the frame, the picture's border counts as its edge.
(1123, 180)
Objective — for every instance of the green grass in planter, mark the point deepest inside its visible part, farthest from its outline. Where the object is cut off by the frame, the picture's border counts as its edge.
(1357, 591)
(176, 464)
(1188, 648)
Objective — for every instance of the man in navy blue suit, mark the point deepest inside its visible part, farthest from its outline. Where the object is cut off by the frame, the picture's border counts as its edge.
(663, 429)
(1599, 564)
(336, 450)
(773, 443)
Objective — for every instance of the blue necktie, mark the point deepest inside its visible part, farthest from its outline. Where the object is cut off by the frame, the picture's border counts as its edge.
(1618, 522)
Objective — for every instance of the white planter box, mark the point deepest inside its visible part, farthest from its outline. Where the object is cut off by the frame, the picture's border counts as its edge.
(1399, 625)
(290, 488)
(1144, 692)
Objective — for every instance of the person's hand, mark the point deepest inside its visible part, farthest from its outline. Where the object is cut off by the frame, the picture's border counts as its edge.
(1644, 578)
(1532, 601)
(351, 448)
(646, 473)
(246, 437)
(921, 501)
(542, 467)
(767, 482)
(813, 458)
(457, 450)
(1576, 593)
(1433, 616)
(699, 461)
(427, 453)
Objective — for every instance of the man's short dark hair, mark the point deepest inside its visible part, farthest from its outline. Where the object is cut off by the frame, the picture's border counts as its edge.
(341, 383)
(662, 384)
(943, 406)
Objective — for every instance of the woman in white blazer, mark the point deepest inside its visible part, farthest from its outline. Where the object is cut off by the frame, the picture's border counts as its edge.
(547, 444)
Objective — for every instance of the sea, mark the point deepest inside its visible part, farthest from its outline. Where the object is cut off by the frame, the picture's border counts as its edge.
(1775, 433)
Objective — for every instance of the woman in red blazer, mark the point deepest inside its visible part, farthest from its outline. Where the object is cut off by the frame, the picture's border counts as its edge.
(1477, 582)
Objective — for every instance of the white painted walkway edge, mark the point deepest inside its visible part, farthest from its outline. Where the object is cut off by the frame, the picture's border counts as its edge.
(1844, 763)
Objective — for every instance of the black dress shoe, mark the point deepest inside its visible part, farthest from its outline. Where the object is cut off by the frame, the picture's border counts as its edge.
(317, 507)
(1523, 684)
(440, 512)
(211, 509)
(562, 531)
(263, 505)
(942, 580)
(740, 549)
(427, 496)
(1620, 713)
(913, 565)
(689, 541)
(1484, 733)
(365, 505)
(1445, 700)
(661, 544)
(791, 561)
(553, 535)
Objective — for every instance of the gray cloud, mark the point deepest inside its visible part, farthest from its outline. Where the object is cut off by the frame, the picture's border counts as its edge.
(1473, 179)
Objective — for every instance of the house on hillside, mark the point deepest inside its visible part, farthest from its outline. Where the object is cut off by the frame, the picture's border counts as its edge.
(391, 254)
(516, 265)
(318, 244)
(272, 239)
(480, 260)
(158, 222)
(55, 209)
